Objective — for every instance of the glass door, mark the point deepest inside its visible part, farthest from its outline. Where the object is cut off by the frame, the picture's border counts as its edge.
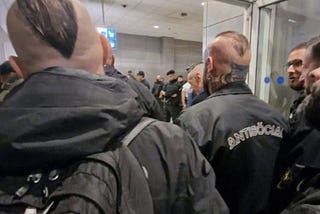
(281, 26)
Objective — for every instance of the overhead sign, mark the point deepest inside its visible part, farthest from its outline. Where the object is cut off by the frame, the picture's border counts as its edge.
(110, 34)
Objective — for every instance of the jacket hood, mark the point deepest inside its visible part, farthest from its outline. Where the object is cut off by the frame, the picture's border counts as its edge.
(59, 115)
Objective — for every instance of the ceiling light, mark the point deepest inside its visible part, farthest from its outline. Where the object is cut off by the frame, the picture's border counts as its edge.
(292, 21)
(156, 26)
(202, 3)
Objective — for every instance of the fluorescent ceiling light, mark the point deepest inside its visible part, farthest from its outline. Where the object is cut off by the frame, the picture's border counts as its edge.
(156, 26)
(292, 21)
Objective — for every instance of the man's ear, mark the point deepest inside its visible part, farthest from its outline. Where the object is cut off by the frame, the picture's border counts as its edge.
(210, 65)
(14, 62)
(111, 60)
(104, 45)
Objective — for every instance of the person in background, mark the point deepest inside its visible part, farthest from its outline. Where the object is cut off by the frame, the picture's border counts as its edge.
(140, 77)
(195, 78)
(302, 148)
(157, 87)
(294, 68)
(9, 79)
(147, 101)
(305, 180)
(238, 133)
(172, 94)
(186, 95)
(180, 80)
(131, 75)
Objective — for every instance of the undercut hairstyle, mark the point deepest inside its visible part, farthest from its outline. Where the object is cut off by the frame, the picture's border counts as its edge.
(313, 40)
(299, 46)
(54, 21)
(240, 42)
(315, 52)
(314, 44)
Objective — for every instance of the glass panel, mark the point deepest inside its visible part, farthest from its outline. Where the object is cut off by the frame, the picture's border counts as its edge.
(295, 21)
(264, 54)
(227, 17)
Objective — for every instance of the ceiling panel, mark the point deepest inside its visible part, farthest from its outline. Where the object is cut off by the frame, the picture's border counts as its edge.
(139, 17)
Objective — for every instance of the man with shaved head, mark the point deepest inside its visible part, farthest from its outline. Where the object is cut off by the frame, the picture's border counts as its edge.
(239, 134)
(195, 79)
(63, 130)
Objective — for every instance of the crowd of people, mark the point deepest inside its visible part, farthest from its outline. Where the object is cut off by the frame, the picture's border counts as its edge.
(79, 136)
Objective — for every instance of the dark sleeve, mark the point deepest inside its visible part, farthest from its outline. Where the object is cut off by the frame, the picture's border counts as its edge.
(91, 182)
(164, 87)
(77, 205)
(156, 111)
(146, 100)
(153, 90)
(206, 197)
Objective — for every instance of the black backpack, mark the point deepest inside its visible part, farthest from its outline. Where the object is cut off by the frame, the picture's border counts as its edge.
(85, 182)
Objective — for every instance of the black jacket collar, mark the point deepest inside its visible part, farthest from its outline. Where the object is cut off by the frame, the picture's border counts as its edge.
(232, 88)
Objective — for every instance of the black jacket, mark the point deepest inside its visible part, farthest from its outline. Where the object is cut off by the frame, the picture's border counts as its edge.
(199, 98)
(240, 135)
(60, 115)
(156, 89)
(171, 88)
(147, 102)
(302, 148)
(145, 83)
(293, 109)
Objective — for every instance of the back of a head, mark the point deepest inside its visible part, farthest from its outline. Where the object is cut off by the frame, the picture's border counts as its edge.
(237, 47)
(48, 33)
(314, 47)
(141, 73)
(232, 54)
(171, 72)
(313, 106)
(198, 68)
(302, 45)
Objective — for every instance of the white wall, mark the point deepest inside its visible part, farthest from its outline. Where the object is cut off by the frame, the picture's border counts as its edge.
(155, 55)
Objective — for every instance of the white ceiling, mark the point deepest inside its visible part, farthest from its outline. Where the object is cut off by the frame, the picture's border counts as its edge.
(139, 17)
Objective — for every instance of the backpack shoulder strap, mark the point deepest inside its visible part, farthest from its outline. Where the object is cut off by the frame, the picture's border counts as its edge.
(122, 163)
(144, 122)
(83, 183)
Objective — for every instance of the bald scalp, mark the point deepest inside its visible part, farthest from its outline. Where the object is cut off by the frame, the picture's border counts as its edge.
(228, 59)
(239, 42)
(198, 69)
(195, 78)
(230, 47)
(47, 33)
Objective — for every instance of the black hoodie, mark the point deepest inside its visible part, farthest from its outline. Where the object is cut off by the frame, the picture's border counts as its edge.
(147, 101)
(62, 114)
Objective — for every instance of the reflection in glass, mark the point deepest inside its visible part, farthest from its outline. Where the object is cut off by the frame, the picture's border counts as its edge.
(282, 26)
